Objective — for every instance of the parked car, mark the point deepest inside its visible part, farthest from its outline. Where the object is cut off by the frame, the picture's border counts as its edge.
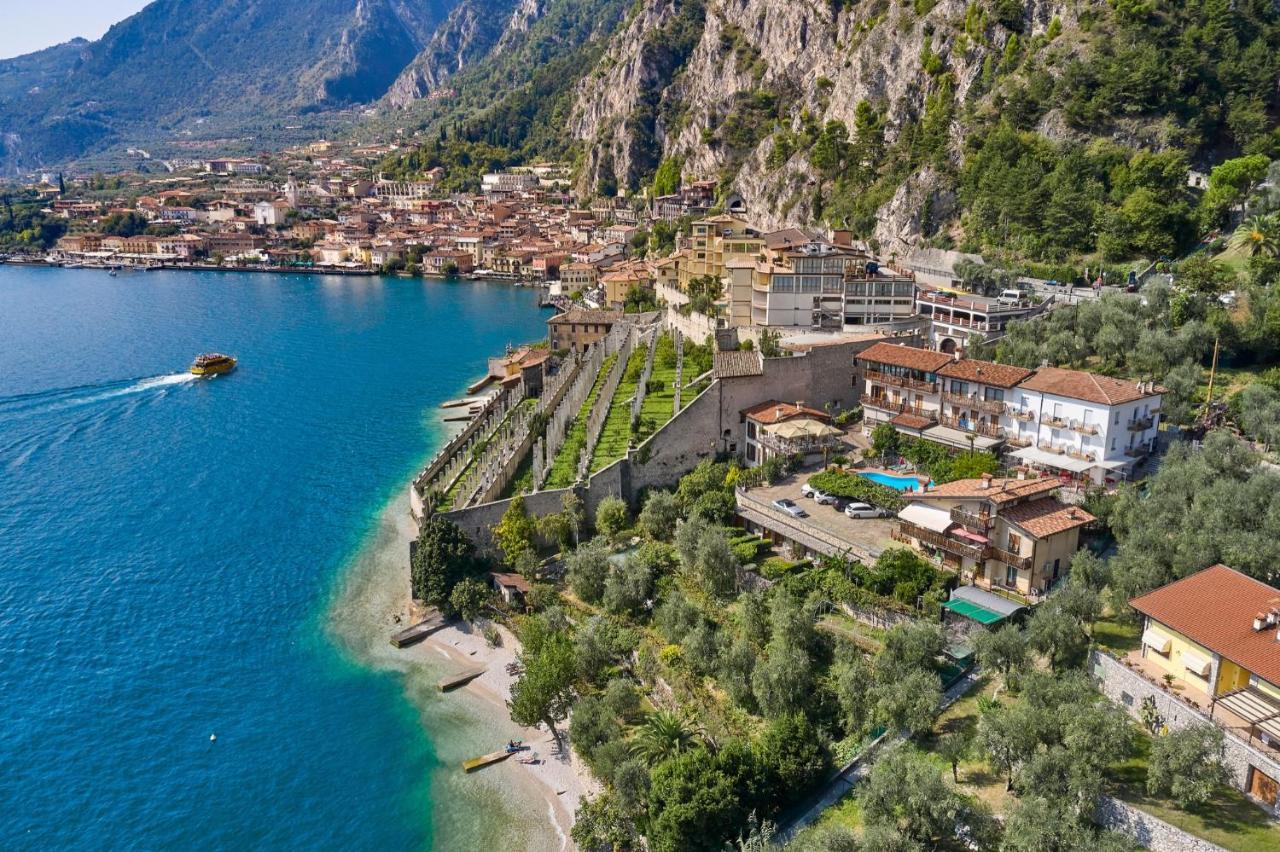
(807, 490)
(822, 498)
(790, 507)
(864, 510)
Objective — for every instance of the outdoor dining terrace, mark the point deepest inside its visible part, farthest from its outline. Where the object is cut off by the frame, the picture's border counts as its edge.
(896, 380)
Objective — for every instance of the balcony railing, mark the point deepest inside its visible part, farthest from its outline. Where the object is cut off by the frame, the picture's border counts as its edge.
(900, 381)
(966, 425)
(926, 536)
(1084, 428)
(1026, 415)
(1022, 563)
(902, 407)
(972, 520)
(1057, 422)
(1138, 452)
(1018, 441)
(990, 406)
(1140, 424)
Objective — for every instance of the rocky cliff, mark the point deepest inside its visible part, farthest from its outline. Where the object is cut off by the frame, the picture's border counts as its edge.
(761, 70)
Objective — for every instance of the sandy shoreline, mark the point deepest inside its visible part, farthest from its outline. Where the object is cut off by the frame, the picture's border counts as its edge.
(524, 806)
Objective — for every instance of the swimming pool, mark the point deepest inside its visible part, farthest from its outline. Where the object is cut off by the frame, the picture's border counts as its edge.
(897, 483)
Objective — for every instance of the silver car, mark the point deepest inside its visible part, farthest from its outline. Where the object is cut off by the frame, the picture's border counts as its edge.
(790, 507)
(822, 498)
(864, 510)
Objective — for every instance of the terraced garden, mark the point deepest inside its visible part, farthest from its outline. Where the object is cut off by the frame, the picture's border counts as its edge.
(615, 435)
(564, 468)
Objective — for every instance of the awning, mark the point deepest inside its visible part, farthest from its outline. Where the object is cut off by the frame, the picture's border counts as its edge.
(929, 517)
(1197, 664)
(1256, 708)
(1035, 455)
(959, 439)
(971, 536)
(968, 609)
(1156, 641)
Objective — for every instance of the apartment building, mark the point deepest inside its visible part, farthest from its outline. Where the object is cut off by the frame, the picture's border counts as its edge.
(1075, 424)
(714, 242)
(1011, 534)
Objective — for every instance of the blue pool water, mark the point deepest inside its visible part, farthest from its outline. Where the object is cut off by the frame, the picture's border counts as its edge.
(169, 549)
(898, 483)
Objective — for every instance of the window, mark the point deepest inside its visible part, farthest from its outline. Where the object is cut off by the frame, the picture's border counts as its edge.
(751, 429)
(1010, 575)
(1015, 543)
(1116, 421)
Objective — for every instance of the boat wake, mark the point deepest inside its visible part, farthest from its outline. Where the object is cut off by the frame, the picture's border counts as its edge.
(43, 402)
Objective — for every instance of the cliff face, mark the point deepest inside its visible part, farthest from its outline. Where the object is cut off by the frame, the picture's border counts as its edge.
(759, 68)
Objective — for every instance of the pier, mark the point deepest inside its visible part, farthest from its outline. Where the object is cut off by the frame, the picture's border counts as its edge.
(416, 633)
(452, 682)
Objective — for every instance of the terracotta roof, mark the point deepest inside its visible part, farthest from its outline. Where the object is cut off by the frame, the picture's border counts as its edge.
(587, 316)
(732, 365)
(912, 421)
(1090, 387)
(910, 357)
(1215, 608)
(774, 411)
(512, 581)
(999, 491)
(1046, 517)
(985, 372)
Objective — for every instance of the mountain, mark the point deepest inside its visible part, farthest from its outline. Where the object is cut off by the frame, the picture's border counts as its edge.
(233, 63)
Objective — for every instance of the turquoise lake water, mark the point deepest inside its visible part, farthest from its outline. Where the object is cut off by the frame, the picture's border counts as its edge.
(169, 549)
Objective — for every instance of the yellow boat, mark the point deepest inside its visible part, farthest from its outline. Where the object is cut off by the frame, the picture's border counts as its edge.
(212, 363)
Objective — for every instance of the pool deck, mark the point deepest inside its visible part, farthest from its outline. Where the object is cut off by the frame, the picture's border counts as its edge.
(922, 480)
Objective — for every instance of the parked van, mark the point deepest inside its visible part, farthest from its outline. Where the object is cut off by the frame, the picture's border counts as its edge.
(1010, 297)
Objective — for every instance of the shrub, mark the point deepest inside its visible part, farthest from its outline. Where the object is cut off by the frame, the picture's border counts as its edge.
(612, 516)
(854, 487)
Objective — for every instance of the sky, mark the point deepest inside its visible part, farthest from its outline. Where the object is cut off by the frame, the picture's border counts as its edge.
(34, 24)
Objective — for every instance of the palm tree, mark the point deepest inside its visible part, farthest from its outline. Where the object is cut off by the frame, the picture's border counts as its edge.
(1257, 235)
(660, 736)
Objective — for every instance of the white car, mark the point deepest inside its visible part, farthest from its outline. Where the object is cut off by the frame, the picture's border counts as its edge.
(822, 498)
(807, 490)
(864, 510)
(790, 507)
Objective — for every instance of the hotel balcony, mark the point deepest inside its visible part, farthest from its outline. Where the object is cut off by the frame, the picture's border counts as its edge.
(874, 375)
(973, 520)
(990, 406)
(1022, 563)
(1138, 452)
(1084, 428)
(1057, 422)
(1018, 441)
(1140, 424)
(903, 407)
(907, 530)
(966, 425)
(1026, 415)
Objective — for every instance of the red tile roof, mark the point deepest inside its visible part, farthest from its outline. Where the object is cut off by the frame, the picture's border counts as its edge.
(999, 491)
(773, 411)
(1046, 517)
(1215, 608)
(909, 357)
(912, 421)
(1090, 387)
(985, 372)
(736, 364)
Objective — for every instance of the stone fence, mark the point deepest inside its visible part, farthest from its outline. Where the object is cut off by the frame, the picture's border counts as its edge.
(1148, 831)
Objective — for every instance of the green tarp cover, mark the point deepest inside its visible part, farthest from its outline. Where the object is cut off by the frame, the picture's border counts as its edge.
(980, 614)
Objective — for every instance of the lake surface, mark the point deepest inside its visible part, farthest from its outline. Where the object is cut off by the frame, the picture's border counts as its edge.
(170, 548)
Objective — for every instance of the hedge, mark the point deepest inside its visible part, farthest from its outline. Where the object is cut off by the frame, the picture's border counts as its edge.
(854, 487)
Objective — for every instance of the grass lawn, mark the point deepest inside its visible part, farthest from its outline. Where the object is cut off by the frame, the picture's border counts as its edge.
(615, 435)
(846, 813)
(1117, 636)
(867, 638)
(976, 778)
(564, 467)
(1235, 259)
(1229, 819)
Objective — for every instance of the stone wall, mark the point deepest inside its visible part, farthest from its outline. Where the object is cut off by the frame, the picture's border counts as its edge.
(1128, 689)
(1150, 832)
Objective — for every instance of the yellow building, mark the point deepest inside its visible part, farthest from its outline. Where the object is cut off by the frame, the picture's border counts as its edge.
(1214, 637)
(713, 242)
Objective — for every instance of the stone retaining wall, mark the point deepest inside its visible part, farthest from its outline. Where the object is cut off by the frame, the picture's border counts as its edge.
(1150, 832)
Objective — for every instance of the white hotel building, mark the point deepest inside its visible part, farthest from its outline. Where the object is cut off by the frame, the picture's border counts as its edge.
(1077, 424)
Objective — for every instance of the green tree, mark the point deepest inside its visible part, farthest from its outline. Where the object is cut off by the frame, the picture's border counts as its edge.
(612, 516)
(443, 557)
(692, 804)
(514, 533)
(791, 756)
(543, 693)
(662, 735)
(1187, 764)
(1006, 734)
(660, 515)
(1056, 634)
(468, 598)
(1004, 650)
(628, 587)
(954, 747)
(906, 793)
(588, 569)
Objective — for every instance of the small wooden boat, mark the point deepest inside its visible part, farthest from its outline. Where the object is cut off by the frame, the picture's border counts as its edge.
(493, 757)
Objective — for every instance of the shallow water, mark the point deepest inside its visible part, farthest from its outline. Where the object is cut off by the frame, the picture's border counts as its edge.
(180, 558)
